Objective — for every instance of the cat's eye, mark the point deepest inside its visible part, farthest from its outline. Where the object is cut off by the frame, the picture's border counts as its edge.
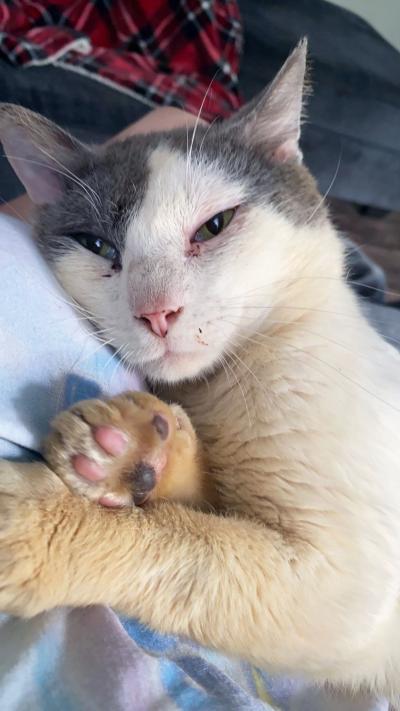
(214, 226)
(97, 245)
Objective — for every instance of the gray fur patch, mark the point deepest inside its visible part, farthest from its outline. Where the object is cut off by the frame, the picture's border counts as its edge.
(116, 178)
(289, 187)
(113, 185)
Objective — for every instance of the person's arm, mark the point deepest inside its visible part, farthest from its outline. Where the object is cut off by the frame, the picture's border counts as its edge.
(162, 119)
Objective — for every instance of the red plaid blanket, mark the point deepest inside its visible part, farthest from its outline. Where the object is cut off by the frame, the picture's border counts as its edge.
(168, 52)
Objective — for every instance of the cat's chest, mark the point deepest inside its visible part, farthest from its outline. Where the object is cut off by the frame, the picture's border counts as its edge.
(235, 422)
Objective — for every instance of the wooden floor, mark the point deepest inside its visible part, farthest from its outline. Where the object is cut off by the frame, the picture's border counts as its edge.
(378, 236)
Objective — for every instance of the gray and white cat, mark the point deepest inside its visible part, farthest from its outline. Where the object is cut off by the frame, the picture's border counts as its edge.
(211, 261)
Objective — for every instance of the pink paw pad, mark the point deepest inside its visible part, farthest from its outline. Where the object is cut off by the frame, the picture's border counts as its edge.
(87, 468)
(113, 442)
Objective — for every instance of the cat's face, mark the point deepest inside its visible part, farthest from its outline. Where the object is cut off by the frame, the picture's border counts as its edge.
(176, 243)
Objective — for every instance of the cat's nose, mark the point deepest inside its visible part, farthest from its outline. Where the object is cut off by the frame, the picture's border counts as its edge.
(160, 321)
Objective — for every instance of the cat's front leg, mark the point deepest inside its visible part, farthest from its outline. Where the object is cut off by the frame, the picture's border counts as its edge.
(56, 547)
(160, 458)
(38, 516)
(229, 583)
(179, 570)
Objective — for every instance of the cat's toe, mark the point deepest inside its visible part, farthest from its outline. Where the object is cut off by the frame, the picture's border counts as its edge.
(113, 441)
(88, 468)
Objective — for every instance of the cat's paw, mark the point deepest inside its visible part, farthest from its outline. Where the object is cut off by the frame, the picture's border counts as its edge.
(116, 451)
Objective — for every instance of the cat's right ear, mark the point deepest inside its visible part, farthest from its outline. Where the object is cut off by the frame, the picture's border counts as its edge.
(43, 155)
(272, 120)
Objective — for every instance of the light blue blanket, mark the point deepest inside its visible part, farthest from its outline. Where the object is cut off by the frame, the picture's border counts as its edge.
(89, 659)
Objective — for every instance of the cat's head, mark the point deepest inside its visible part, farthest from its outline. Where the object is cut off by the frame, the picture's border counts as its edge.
(177, 244)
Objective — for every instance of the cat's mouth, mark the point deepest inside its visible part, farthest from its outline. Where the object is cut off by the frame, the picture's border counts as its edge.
(176, 360)
(175, 365)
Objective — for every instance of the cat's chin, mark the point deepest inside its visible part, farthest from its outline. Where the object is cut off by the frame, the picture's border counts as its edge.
(176, 367)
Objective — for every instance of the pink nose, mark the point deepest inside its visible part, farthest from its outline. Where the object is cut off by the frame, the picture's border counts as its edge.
(159, 321)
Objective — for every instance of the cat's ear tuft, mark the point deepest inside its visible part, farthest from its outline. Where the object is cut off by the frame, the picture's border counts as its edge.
(272, 120)
(43, 155)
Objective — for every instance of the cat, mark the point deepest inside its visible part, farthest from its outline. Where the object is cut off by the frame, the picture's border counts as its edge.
(211, 260)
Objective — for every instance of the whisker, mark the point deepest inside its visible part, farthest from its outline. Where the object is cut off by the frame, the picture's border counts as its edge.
(232, 370)
(355, 319)
(114, 354)
(79, 361)
(87, 196)
(57, 296)
(221, 360)
(295, 279)
(323, 337)
(84, 185)
(249, 370)
(189, 155)
(119, 362)
(329, 365)
(330, 186)
(210, 125)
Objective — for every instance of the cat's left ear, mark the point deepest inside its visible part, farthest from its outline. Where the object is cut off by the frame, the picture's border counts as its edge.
(272, 119)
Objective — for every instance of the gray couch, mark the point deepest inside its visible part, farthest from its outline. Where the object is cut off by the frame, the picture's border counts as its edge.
(354, 111)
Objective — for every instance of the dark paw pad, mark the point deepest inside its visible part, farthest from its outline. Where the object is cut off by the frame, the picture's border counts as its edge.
(161, 426)
(143, 480)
